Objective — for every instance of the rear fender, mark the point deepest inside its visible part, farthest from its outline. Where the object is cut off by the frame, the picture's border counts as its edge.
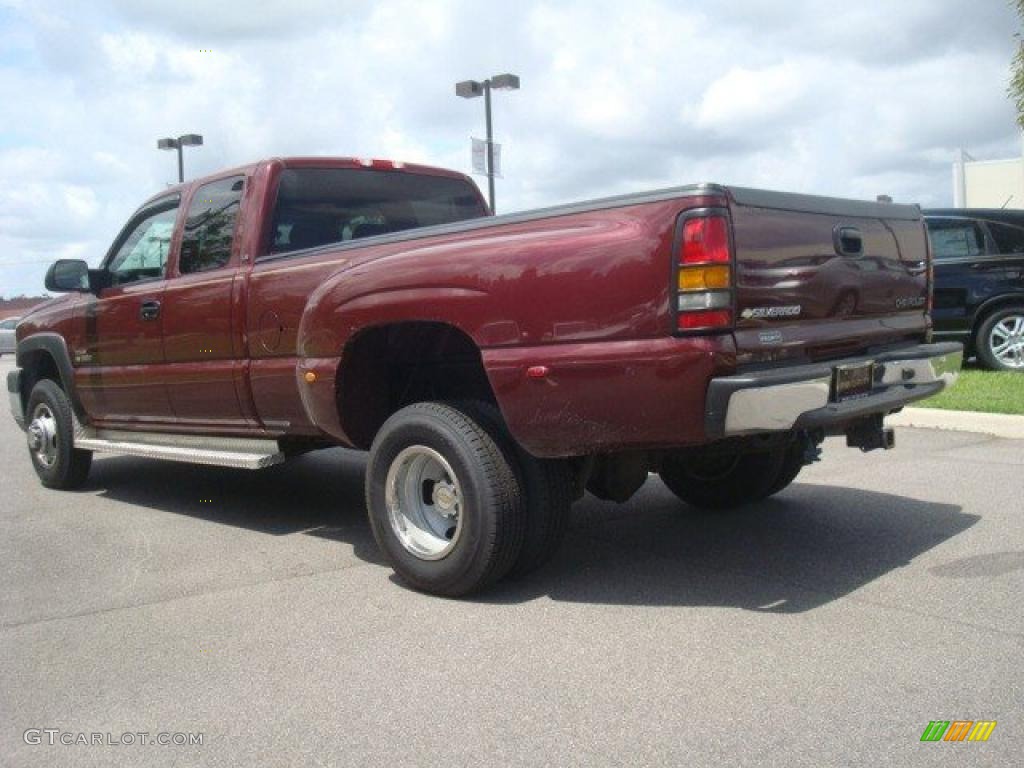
(353, 302)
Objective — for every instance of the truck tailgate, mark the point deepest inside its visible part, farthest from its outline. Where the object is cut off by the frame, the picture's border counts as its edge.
(822, 277)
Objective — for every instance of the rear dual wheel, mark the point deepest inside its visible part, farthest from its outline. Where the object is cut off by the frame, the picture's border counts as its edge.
(729, 480)
(455, 505)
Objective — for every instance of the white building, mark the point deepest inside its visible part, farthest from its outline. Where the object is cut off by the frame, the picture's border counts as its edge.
(988, 183)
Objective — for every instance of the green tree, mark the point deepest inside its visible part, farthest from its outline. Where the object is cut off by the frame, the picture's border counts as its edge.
(1016, 89)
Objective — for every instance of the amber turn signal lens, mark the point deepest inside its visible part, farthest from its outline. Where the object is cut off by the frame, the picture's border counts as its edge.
(703, 278)
(310, 377)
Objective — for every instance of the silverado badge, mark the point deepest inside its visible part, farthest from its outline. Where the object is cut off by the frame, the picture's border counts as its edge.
(751, 313)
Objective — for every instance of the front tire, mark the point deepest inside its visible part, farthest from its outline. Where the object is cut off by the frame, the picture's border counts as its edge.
(50, 433)
(1000, 340)
(724, 481)
(443, 500)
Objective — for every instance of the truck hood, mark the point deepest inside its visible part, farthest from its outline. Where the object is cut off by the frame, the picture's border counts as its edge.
(46, 306)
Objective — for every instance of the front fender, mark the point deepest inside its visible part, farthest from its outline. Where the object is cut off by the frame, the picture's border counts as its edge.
(52, 344)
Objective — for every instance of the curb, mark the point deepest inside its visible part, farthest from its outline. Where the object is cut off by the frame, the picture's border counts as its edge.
(995, 424)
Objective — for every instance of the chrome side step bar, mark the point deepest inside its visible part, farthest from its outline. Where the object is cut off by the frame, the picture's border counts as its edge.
(237, 452)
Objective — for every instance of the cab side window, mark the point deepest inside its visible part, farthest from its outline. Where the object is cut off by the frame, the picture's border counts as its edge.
(955, 238)
(210, 226)
(142, 254)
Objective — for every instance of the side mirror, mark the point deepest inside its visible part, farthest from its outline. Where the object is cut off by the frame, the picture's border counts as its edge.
(68, 276)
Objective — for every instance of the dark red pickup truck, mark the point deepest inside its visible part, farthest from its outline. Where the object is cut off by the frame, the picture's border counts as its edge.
(494, 367)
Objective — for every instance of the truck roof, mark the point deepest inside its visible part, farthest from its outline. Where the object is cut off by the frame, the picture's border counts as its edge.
(300, 161)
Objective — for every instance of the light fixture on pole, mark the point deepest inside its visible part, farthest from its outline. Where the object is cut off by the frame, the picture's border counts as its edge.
(470, 89)
(186, 140)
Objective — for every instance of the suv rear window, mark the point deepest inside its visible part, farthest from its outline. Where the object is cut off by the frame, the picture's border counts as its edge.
(316, 206)
(1008, 239)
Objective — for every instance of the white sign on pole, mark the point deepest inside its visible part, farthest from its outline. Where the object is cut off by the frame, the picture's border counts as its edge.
(496, 155)
(479, 154)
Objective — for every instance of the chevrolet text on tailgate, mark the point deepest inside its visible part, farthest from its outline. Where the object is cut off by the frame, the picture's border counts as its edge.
(494, 367)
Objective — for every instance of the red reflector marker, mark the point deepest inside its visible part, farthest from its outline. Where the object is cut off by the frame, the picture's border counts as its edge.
(537, 371)
(705, 240)
(712, 318)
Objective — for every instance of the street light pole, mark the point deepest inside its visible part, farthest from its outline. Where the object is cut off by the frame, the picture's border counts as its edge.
(185, 140)
(490, 145)
(470, 89)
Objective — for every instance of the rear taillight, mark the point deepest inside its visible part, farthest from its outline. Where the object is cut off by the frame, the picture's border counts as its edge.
(705, 240)
(716, 318)
(704, 274)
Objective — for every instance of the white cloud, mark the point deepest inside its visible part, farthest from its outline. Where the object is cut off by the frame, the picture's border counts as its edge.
(816, 95)
(742, 98)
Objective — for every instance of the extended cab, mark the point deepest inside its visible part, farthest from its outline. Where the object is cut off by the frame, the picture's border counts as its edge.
(494, 367)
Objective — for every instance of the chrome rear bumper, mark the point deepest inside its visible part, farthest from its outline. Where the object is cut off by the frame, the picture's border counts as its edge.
(800, 397)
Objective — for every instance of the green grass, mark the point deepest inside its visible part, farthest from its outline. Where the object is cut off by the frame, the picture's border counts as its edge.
(979, 390)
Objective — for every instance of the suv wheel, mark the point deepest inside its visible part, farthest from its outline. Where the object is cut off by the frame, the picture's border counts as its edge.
(443, 500)
(1000, 341)
(50, 434)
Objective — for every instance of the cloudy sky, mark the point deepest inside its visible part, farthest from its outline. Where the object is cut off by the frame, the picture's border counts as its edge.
(843, 98)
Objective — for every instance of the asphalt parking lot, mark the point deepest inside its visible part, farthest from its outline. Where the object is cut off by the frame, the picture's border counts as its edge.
(826, 627)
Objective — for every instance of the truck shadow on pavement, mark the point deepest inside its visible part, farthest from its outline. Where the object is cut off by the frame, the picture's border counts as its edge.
(320, 494)
(810, 545)
(802, 549)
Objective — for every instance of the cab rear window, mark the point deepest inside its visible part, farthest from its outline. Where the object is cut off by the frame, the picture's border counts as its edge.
(318, 206)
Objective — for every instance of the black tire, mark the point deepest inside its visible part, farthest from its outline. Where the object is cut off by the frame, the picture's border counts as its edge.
(489, 534)
(548, 486)
(720, 482)
(792, 463)
(984, 341)
(69, 467)
(550, 489)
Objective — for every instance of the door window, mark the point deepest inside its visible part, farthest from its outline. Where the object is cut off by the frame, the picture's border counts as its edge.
(955, 238)
(142, 254)
(210, 226)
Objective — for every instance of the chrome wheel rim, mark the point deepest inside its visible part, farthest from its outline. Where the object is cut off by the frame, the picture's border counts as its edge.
(424, 501)
(1006, 340)
(42, 435)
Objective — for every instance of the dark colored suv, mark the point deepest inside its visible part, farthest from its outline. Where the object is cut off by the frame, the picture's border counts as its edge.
(979, 282)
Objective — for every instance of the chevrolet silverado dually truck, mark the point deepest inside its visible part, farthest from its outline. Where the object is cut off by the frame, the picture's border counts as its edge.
(495, 367)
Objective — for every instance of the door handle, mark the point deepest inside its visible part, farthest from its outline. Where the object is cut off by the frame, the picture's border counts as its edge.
(150, 310)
